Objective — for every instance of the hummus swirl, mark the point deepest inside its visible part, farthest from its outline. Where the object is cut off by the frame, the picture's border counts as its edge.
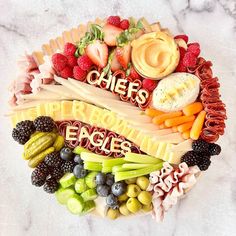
(155, 55)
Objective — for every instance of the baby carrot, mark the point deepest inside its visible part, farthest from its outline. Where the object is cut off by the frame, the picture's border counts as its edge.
(174, 129)
(178, 120)
(186, 134)
(161, 118)
(162, 126)
(197, 126)
(153, 112)
(192, 109)
(186, 126)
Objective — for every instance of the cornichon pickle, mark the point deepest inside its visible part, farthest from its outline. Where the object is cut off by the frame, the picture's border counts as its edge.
(33, 139)
(40, 157)
(59, 143)
(39, 145)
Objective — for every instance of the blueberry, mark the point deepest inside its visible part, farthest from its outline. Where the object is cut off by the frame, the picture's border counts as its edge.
(110, 179)
(118, 188)
(100, 178)
(103, 190)
(78, 159)
(112, 201)
(66, 154)
(79, 171)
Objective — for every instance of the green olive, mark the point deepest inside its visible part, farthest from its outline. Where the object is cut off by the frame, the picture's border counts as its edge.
(133, 190)
(124, 210)
(145, 198)
(142, 182)
(147, 208)
(131, 181)
(112, 213)
(123, 197)
(133, 205)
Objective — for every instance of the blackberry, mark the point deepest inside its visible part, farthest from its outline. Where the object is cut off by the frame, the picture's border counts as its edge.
(191, 158)
(44, 124)
(214, 149)
(200, 146)
(204, 163)
(68, 166)
(19, 137)
(43, 167)
(26, 127)
(50, 185)
(53, 159)
(38, 177)
(57, 173)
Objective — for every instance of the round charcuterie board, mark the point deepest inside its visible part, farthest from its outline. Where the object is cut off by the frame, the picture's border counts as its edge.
(117, 117)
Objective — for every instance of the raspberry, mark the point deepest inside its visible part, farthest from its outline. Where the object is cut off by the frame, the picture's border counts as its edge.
(66, 72)
(79, 74)
(181, 67)
(182, 36)
(189, 59)
(114, 20)
(84, 62)
(194, 48)
(59, 61)
(72, 60)
(182, 52)
(134, 74)
(124, 24)
(69, 49)
(149, 84)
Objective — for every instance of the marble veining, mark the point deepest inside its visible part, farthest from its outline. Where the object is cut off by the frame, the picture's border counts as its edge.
(209, 209)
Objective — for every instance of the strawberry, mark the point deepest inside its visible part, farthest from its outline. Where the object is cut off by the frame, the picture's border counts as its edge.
(69, 49)
(124, 24)
(181, 67)
(134, 74)
(123, 55)
(67, 72)
(182, 36)
(149, 84)
(189, 59)
(84, 62)
(72, 60)
(78, 73)
(194, 48)
(98, 53)
(114, 20)
(59, 61)
(111, 32)
(115, 65)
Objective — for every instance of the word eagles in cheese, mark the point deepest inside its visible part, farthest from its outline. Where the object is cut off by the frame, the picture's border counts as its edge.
(97, 139)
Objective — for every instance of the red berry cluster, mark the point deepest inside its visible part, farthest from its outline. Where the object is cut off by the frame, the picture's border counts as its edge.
(67, 65)
(188, 58)
(116, 21)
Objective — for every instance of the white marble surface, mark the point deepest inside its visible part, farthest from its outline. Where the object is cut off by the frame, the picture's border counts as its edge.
(210, 209)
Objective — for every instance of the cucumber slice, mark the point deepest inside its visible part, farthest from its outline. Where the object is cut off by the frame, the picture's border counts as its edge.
(89, 194)
(89, 206)
(90, 179)
(134, 166)
(80, 185)
(136, 173)
(86, 156)
(62, 195)
(67, 180)
(79, 149)
(93, 166)
(75, 204)
(141, 158)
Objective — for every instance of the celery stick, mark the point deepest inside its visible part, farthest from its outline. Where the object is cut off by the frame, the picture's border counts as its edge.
(93, 166)
(118, 169)
(87, 156)
(79, 149)
(113, 162)
(140, 158)
(134, 166)
(106, 169)
(136, 173)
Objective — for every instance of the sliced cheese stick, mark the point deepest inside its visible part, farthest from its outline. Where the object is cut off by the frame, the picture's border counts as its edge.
(169, 138)
(67, 37)
(75, 34)
(159, 132)
(53, 45)
(147, 127)
(60, 42)
(47, 49)
(183, 146)
(38, 57)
